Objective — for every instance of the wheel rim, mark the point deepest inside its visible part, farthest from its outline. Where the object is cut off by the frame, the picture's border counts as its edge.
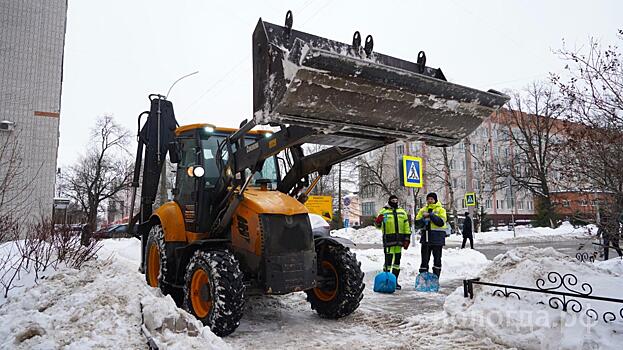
(153, 264)
(327, 294)
(200, 295)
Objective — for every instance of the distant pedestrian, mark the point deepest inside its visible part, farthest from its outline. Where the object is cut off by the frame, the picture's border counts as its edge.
(394, 222)
(432, 218)
(467, 231)
(610, 236)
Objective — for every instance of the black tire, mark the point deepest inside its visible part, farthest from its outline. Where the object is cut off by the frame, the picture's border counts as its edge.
(156, 259)
(214, 290)
(341, 297)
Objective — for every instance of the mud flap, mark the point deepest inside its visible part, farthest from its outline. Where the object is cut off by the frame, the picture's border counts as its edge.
(333, 87)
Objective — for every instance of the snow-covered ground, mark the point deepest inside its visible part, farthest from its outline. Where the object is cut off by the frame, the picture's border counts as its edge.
(103, 304)
(100, 306)
(526, 234)
(530, 322)
(522, 234)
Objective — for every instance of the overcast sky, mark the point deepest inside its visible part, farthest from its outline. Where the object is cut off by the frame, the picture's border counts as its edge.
(117, 52)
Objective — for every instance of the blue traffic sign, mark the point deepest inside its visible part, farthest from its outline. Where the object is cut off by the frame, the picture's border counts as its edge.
(412, 171)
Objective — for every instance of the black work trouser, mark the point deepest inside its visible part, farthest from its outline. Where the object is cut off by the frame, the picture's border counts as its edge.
(471, 242)
(389, 258)
(436, 250)
(615, 245)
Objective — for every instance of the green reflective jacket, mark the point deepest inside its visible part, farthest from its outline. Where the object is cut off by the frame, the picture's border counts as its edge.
(437, 210)
(394, 221)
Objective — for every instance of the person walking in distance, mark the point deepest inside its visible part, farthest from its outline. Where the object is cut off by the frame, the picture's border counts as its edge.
(394, 223)
(467, 231)
(432, 218)
(609, 232)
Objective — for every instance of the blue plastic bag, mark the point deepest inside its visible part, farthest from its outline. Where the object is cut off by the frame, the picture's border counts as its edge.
(385, 282)
(427, 282)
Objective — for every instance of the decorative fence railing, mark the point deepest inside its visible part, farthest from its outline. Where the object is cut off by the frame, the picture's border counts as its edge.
(565, 300)
(585, 256)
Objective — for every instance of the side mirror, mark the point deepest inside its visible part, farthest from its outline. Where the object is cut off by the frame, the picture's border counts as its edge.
(174, 152)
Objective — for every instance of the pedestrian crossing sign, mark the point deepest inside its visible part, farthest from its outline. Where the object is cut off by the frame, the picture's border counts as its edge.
(412, 171)
(470, 199)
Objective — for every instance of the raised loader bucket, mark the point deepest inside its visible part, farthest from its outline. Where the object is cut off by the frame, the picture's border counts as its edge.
(306, 80)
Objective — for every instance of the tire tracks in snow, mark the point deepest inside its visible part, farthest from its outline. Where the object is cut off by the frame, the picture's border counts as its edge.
(404, 320)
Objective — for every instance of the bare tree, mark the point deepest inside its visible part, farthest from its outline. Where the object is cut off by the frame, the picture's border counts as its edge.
(440, 170)
(487, 179)
(593, 94)
(534, 127)
(378, 173)
(102, 172)
(15, 178)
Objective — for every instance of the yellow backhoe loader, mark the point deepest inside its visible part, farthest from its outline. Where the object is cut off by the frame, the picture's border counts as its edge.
(236, 226)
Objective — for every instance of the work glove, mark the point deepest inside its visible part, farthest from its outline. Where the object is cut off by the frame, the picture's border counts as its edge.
(379, 220)
(405, 244)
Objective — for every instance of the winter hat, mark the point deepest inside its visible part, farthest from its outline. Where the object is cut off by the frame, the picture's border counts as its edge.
(393, 196)
(432, 195)
(466, 213)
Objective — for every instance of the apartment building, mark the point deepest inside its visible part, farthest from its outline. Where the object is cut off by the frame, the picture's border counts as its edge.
(468, 170)
(31, 66)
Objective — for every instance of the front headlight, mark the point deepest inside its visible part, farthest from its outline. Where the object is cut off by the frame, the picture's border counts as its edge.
(198, 171)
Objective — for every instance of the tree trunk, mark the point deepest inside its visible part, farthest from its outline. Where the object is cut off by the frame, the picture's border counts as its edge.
(86, 233)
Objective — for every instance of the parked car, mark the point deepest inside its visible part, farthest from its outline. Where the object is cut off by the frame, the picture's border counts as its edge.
(320, 227)
(113, 231)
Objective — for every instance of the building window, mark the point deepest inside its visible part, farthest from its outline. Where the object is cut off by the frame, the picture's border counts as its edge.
(565, 203)
(368, 209)
(400, 149)
(488, 204)
(520, 205)
(530, 205)
(583, 202)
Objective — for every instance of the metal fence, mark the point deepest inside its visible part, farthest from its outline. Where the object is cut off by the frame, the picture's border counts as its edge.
(567, 299)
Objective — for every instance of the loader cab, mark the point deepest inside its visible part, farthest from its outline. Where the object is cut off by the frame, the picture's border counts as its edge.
(199, 177)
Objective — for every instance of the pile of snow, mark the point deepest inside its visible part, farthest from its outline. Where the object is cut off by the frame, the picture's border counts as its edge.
(10, 256)
(99, 306)
(530, 322)
(613, 265)
(365, 235)
(526, 234)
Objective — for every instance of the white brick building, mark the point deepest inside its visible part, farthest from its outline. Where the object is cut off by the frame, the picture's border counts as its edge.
(32, 39)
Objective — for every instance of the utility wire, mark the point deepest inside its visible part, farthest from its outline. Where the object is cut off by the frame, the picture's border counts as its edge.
(237, 65)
